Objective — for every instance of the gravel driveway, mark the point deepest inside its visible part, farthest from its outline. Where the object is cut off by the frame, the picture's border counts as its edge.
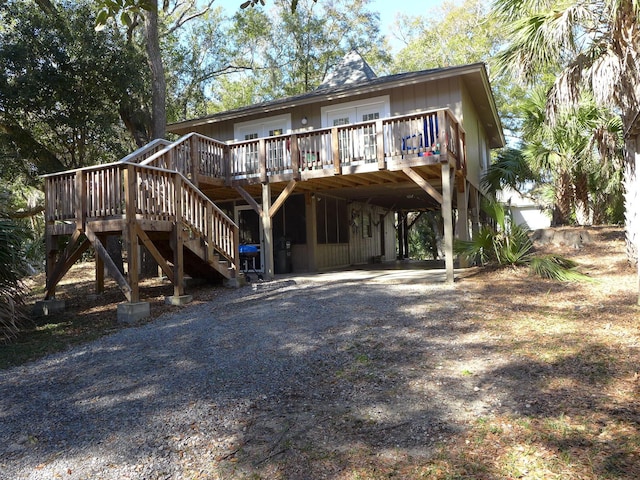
(290, 376)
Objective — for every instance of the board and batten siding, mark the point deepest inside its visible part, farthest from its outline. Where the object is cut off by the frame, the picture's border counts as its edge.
(478, 152)
(362, 248)
(427, 96)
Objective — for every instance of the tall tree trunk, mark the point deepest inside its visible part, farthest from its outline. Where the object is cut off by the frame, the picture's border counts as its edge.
(632, 203)
(158, 82)
(158, 95)
(564, 200)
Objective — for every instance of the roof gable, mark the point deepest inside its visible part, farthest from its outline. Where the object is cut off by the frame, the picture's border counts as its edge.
(351, 70)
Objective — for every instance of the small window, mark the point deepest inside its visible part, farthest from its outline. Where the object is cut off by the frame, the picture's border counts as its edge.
(368, 117)
(277, 131)
(251, 136)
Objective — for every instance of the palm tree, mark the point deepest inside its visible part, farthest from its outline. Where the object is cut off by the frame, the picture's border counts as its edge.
(505, 243)
(596, 47)
(565, 153)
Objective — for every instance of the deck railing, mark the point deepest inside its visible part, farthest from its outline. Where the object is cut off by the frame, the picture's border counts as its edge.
(100, 193)
(378, 142)
(374, 142)
(146, 151)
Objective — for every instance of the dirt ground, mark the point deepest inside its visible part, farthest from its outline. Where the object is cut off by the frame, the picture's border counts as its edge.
(545, 377)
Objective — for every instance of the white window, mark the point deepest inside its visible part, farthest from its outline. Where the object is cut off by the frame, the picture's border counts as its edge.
(263, 127)
(358, 111)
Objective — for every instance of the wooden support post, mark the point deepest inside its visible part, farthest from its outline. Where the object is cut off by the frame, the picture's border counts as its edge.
(405, 233)
(282, 198)
(262, 158)
(51, 251)
(335, 150)
(111, 266)
(295, 157)
(177, 243)
(194, 156)
(380, 144)
(312, 231)
(131, 239)
(80, 199)
(400, 234)
(447, 217)
(226, 164)
(99, 286)
(267, 247)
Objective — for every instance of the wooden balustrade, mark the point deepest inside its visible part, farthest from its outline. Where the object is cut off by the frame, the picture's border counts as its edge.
(104, 191)
(425, 133)
(209, 156)
(155, 194)
(146, 151)
(60, 197)
(315, 149)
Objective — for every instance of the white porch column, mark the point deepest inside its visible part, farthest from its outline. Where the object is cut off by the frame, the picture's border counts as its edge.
(265, 219)
(447, 216)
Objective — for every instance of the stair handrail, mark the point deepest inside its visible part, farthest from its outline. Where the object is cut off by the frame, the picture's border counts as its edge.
(76, 189)
(227, 249)
(186, 140)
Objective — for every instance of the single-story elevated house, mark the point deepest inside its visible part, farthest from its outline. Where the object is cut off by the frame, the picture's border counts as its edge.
(305, 183)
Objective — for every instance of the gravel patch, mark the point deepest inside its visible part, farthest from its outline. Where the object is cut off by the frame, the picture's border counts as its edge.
(292, 371)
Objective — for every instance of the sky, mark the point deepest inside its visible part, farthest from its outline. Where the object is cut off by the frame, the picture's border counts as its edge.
(388, 10)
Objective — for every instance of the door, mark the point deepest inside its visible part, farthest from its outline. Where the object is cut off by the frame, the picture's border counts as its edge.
(337, 119)
(248, 222)
(360, 144)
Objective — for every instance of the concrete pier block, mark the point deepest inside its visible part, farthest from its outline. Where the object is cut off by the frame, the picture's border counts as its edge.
(178, 300)
(132, 312)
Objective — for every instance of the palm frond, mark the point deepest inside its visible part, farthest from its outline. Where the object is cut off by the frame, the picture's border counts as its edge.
(480, 249)
(514, 247)
(558, 268)
(510, 169)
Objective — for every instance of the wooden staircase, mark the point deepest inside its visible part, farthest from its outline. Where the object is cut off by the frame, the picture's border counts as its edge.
(147, 199)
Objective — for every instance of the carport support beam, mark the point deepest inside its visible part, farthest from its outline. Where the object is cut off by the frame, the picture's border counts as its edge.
(447, 217)
(267, 250)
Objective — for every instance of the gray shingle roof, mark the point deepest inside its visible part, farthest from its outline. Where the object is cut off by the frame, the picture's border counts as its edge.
(352, 69)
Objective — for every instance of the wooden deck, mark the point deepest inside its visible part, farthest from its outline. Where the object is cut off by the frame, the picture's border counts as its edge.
(162, 196)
